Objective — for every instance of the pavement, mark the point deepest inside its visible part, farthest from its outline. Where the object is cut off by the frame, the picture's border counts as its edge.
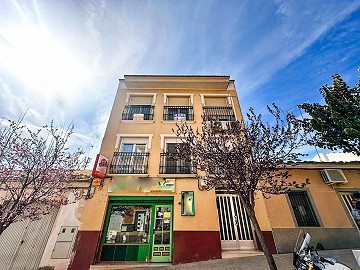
(248, 260)
(283, 261)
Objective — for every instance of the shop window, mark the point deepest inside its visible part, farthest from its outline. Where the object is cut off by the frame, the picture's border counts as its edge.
(303, 210)
(187, 203)
(128, 224)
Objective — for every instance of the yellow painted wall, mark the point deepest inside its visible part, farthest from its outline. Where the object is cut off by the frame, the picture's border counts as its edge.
(206, 218)
(324, 198)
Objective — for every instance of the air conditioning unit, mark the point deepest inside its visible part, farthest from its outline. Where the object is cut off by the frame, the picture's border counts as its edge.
(138, 116)
(333, 176)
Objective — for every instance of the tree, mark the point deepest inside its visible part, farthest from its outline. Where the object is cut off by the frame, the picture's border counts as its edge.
(245, 158)
(337, 123)
(36, 171)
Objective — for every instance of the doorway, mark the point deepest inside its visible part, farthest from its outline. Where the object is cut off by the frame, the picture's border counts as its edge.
(236, 230)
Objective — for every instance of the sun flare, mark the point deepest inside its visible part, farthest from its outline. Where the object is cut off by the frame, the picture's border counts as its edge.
(41, 62)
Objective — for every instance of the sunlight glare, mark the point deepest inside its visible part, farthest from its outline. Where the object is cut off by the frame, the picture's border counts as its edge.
(42, 63)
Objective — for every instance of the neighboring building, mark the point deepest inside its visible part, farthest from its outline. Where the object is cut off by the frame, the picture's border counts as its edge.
(150, 208)
(48, 241)
(322, 209)
(336, 157)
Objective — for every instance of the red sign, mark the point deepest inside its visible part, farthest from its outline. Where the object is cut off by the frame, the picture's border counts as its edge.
(100, 166)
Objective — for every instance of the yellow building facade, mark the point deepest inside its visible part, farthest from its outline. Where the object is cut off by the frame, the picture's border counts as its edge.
(151, 208)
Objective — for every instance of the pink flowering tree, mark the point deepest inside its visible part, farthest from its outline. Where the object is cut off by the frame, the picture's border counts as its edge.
(36, 171)
(247, 157)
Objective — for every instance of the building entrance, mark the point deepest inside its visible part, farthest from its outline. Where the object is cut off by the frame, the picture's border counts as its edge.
(139, 229)
(235, 227)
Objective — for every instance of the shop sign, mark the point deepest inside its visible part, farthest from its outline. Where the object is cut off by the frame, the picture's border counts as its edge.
(100, 166)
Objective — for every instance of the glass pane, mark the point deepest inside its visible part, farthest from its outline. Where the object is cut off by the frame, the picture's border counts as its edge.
(128, 224)
(140, 148)
(127, 147)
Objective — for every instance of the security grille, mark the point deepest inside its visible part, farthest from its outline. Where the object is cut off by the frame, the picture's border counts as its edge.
(218, 113)
(129, 163)
(130, 110)
(303, 211)
(171, 164)
(178, 113)
(234, 222)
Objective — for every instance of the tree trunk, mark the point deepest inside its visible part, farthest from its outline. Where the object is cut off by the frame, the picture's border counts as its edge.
(260, 236)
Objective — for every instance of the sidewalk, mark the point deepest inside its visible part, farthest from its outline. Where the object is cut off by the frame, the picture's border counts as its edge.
(283, 261)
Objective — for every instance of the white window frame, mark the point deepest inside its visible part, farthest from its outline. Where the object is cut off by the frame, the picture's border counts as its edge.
(129, 95)
(133, 138)
(191, 96)
(229, 99)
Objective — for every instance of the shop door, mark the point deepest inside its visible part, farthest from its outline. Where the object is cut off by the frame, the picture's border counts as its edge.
(162, 234)
(235, 227)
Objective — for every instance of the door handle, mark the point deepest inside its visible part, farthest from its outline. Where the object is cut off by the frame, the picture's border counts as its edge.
(236, 220)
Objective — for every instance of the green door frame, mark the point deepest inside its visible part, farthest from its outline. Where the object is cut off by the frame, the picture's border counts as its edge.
(153, 201)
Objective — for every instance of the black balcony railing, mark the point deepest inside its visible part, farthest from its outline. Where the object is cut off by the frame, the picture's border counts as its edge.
(130, 110)
(178, 113)
(218, 113)
(129, 163)
(170, 164)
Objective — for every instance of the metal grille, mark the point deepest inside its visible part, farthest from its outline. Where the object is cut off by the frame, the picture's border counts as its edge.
(130, 110)
(347, 198)
(234, 222)
(177, 112)
(303, 211)
(218, 113)
(129, 163)
(171, 164)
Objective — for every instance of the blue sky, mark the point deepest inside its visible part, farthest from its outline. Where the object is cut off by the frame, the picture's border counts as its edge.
(62, 60)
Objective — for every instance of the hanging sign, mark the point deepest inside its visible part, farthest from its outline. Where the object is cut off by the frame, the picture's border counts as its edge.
(100, 166)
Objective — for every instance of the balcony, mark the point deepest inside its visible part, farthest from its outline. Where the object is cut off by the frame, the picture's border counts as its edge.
(129, 163)
(178, 113)
(218, 113)
(170, 164)
(138, 112)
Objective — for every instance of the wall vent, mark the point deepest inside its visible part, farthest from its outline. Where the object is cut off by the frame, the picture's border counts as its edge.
(332, 176)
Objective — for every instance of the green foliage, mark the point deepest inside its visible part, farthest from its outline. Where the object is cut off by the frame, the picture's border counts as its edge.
(336, 124)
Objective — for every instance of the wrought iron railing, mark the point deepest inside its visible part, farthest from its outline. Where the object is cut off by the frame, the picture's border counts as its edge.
(218, 113)
(178, 113)
(146, 110)
(171, 164)
(129, 163)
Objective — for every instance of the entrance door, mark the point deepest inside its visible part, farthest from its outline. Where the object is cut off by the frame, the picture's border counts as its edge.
(348, 198)
(235, 227)
(162, 234)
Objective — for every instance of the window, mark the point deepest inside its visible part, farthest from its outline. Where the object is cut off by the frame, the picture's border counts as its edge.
(139, 107)
(131, 159)
(170, 164)
(178, 108)
(303, 210)
(128, 224)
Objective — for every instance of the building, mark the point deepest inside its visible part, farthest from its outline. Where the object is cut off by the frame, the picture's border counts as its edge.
(323, 208)
(149, 207)
(48, 241)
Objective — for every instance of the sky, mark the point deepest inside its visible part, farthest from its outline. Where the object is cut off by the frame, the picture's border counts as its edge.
(61, 60)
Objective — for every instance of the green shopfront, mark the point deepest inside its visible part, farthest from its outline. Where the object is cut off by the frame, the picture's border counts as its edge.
(138, 229)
